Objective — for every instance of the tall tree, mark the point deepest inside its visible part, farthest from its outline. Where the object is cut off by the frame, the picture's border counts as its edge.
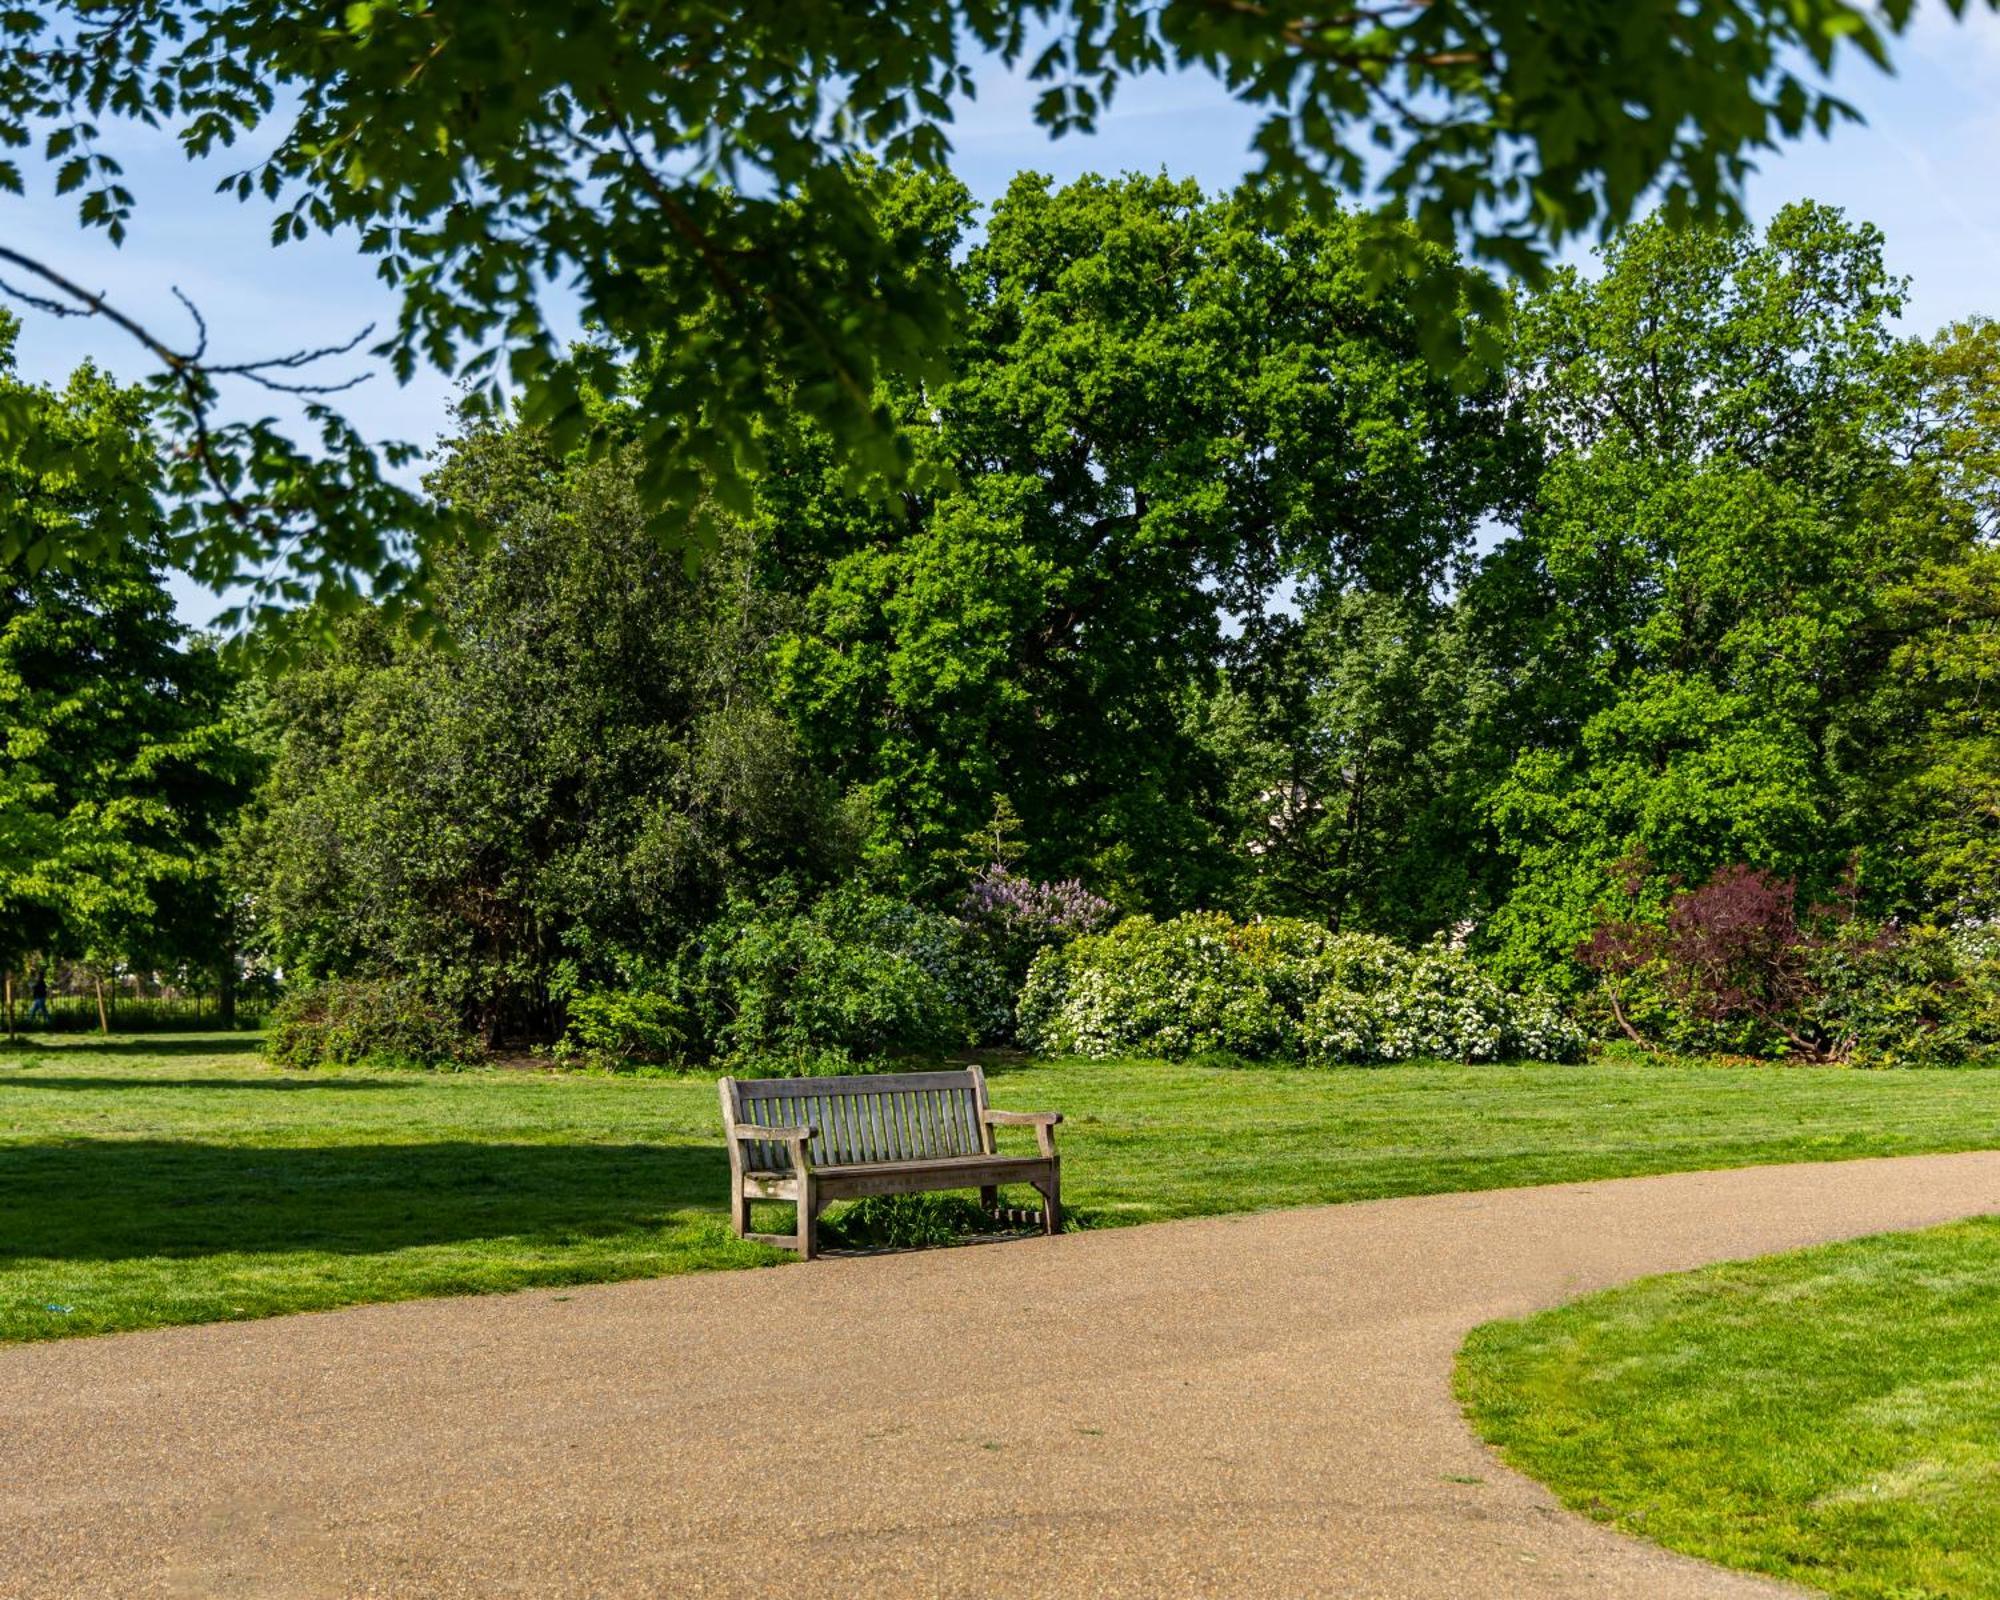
(1358, 787)
(120, 762)
(559, 785)
(1165, 405)
(1689, 618)
(1934, 717)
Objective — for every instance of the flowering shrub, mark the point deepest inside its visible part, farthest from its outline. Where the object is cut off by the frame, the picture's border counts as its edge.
(1175, 988)
(1736, 965)
(1055, 910)
(1384, 1003)
(852, 972)
(1275, 990)
(1021, 917)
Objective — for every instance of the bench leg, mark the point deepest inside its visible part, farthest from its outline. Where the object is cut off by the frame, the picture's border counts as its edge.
(808, 1222)
(989, 1199)
(739, 1213)
(1052, 1202)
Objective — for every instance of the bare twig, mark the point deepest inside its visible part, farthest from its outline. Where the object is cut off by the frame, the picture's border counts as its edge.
(189, 371)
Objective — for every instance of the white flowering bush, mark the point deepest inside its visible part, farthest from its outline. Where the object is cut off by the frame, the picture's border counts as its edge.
(1280, 989)
(1921, 996)
(1392, 1004)
(1192, 984)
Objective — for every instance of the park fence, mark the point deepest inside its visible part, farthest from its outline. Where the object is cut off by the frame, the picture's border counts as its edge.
(127, 1012)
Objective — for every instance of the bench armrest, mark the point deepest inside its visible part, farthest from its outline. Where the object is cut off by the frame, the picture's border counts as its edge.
(1043, 1122)
(798, 1135)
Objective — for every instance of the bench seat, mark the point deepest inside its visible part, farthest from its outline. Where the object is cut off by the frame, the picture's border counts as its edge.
(815, 1140)
(901, 1177)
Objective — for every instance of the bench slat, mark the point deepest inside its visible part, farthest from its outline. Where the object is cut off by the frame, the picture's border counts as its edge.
(771, 1156)
(854, 1142)
(933, 1110)
(840, 1111)
(843, 1111)
(866, 1139)
(920, 1115)
(813, 1110)
(866, 1118)
(854, 1083)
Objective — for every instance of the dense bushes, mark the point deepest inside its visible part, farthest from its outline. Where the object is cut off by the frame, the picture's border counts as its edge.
(851, 974)
(1923, 997)
(1386, 1003)
(1738, 964)
(366, 1022)
(854, 978)
(619, 1028)
(1277, 989)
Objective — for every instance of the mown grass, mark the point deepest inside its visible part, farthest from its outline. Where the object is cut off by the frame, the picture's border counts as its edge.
(161, 1179)
(1830, 1416)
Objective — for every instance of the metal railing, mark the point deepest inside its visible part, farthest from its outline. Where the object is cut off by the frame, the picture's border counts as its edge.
(130, 1013)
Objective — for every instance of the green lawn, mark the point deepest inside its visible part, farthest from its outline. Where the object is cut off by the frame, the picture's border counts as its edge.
(150, 1180)
(1831, 1416)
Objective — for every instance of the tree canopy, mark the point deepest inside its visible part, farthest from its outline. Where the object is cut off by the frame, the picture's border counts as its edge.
(1668, 641)
(700, 170)
(122, 763)
(1164, 407)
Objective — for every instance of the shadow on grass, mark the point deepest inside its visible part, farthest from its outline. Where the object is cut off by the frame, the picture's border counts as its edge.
(166, 1044)
(42, 1078)
(98, 1200)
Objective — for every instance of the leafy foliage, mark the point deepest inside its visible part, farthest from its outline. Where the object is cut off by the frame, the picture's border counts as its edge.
(121, 761)
(1200, 984)
(1735, 963)
(1203, 587)
(366, 1022)
(852, 975)
(1934, 716)
(697, 169)
(1357, 736)
(1697, 611)
(561, 795)
(1021, 917)
(1163, 406)
(904, 1222)
(623, 1028)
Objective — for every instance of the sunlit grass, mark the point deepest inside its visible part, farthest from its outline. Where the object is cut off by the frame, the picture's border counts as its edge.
(161, 1179)
(1830, 1416)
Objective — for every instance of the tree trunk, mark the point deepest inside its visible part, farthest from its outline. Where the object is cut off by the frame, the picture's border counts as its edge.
(10, 1003)
(1632, 1033)
(103, 1015)
(225, 994)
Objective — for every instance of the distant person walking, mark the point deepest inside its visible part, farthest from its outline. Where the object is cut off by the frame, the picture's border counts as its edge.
(40, 997)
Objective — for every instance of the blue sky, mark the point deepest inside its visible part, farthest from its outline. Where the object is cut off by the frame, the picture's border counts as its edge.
(1925, 167)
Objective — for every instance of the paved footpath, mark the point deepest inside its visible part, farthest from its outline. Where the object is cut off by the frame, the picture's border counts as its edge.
(1239, 1406)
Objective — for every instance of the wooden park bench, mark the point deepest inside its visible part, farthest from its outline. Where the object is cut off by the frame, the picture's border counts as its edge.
(815, 1140)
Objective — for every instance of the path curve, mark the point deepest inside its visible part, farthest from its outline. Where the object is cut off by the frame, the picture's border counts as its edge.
(1231, 1406)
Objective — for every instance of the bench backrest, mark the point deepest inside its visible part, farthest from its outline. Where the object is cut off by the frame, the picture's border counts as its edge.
(900, 1116)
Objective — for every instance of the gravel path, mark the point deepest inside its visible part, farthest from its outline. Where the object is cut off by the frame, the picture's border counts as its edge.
(1237, 1406)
